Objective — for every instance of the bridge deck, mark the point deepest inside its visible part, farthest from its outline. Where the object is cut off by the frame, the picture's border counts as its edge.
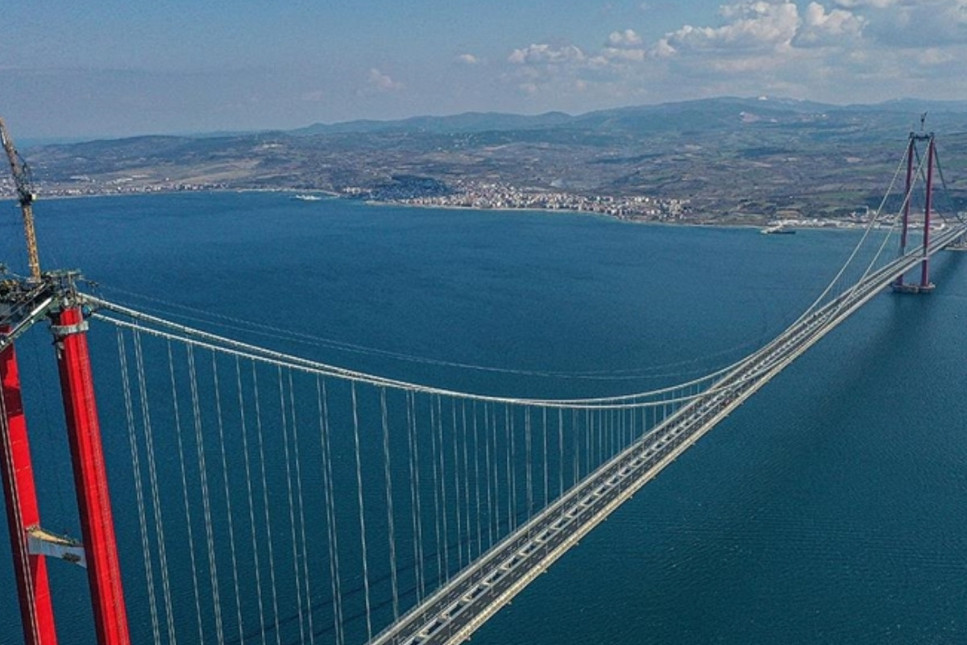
(454, 612)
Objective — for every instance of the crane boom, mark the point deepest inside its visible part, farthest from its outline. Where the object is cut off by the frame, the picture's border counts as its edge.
(25, 195)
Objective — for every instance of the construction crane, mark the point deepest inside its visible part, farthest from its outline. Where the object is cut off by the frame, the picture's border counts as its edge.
(25, 195)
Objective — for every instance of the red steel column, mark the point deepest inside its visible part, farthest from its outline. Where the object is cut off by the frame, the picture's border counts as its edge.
(90, 478)
(924, 266)
(19, 491)
(906, 205)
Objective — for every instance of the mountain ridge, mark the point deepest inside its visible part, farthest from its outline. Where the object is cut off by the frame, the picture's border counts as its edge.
(730, 158)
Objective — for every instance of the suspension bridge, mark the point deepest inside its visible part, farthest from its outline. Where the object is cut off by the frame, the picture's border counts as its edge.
(276, 499)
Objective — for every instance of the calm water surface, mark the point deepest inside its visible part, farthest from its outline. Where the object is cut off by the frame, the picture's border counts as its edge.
(828, 509)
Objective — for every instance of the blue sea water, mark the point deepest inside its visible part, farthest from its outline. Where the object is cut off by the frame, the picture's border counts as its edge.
(828, 509)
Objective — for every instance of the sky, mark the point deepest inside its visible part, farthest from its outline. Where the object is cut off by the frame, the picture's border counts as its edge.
(111, 68)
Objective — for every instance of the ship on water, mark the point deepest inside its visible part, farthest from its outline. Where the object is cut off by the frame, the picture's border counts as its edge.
(778, 229)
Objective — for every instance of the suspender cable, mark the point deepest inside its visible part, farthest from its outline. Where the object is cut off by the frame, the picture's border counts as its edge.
(491, 482)
(267, 516)
(476, 478)
(362, 515)
(415, 494)
(443, 488)
(560, 452)
(456, 481)
(511, 484)
(528, 463)
(544, 466)
(138, 486)
(284, 422)
(205, 500)
(155, 494)
(391, 526)
(575, 448)
(176, 410)
(229, 520)
(327, 479)
(436, 491)
(250, 498)
(466, 478)
(302, 515)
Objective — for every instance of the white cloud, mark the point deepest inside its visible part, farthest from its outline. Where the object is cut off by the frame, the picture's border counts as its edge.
(383, 82)
(544, 53)
(663, 49)
(755, 25)
(859, 4)
(619, 54)
(836, 50)
(468, 59)
(626, 38)
(821, 27)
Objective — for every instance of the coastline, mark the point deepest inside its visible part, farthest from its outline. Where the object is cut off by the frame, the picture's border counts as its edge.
(326, 195)
(828, 224)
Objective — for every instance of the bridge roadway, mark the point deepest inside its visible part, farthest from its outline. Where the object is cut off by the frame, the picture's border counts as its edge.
(455, 611)
(461, 606)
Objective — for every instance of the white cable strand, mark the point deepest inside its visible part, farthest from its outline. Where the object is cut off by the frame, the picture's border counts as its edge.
(896, 217)
(250, 498)
(265, 503)
(302, 515)
(414, 457)
(362, 515)
(283, 420)
(138, 486)
(600, 403)
(601, 428)
(466, 478)
(611, 441)
(560, 448)
(153, 481)
(528, 463)
(280, 333)
(575, 448)
(456, 482)
(184, 489)
(391, 532)
(476, 479)
(511, 483)
(604, 430)
(443, 490)
(544, 468)
(491, 468)
(205, 499)
(324, 430)
(436, 493)
(209, 341)
(228, 497)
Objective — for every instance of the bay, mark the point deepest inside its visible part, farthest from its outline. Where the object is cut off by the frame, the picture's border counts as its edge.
(829, 508)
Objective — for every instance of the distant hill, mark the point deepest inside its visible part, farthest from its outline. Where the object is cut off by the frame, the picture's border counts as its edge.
(729, 157)
(466, 122)
(697, 115)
